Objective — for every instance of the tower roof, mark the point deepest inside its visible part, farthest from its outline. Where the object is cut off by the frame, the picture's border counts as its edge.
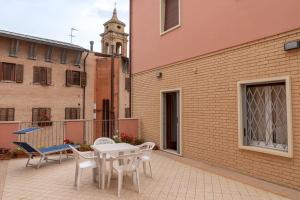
(114, 19)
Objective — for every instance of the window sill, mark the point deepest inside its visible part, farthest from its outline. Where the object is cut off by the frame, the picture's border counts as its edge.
(13, 56)
(7, 81)
(288, 154)
(31, 58)
(44, 85)
(162, 33)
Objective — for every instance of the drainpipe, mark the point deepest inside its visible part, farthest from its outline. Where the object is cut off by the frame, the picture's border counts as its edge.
(130, 53)
(83, 100)
(112, 89)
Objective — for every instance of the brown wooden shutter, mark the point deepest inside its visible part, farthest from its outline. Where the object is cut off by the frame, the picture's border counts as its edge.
(2, 114)
(49, 76)
(48, 113)
(35, 114)
(10, 114)
(127, 84)
(83, 79)
(171, 14)
(43, 75)
(19, 73)
(69, 78)
(78, 113)
(67, 113)
(36, 74)
(1, 71)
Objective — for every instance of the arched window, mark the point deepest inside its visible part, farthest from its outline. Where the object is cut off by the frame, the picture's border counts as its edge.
(106, 48)
(119, 48)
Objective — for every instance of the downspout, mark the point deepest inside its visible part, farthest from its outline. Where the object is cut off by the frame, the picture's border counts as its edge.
(83, 100)
(130, 57)
(112, 90)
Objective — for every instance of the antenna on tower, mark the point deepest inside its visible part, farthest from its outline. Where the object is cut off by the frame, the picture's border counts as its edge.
(115, 4)
(72, 35)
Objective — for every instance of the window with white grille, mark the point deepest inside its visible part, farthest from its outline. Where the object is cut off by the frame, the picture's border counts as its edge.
(265, 115)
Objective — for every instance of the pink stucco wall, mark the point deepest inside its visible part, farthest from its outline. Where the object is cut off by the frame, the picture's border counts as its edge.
(7, 136)
(207, 26)
(74, 131)
(130, 127)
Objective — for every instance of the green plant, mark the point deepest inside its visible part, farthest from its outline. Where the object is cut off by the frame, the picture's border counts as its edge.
(85, 147)
(138, 141)
(116, 138)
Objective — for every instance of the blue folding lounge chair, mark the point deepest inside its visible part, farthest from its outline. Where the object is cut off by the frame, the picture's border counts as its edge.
(43, 152)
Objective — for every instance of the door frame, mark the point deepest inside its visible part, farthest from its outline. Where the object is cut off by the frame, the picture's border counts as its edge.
(162, 121)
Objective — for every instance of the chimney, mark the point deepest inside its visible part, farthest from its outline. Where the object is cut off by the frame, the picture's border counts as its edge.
(91, 46)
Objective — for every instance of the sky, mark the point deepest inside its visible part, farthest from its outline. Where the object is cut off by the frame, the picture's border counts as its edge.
(53, 19)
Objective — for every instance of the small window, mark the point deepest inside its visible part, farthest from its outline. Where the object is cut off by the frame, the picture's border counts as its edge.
(42, 75)
(78, 59)
(264, 115)
(72, 113)
(75, 78)
(63, 56)
(48, 56)
(14, 48)
(170, 14)
(11, 72)
(7, 114)
(119, 27)
(41, 116)
(127, 112)
(32, 51)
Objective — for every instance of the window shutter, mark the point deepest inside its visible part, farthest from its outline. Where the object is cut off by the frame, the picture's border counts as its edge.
(78, 113)
(49, 76)
(43, 75)
(48, 113)
(171, 13)
(36, 74)
(83, 79)
(1, 71)
(67, 113)
(69, 78)
(35, 114)
(2, 114)
(19, 73)
(10, 114)
(127, 84)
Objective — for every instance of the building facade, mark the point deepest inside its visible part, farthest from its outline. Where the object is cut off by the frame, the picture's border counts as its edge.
(44, 80)
(212, 81)
(112, 87)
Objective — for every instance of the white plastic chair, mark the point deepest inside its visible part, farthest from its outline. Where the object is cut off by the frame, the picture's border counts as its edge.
(104, 140)
(146, 148)
(84, 160)
(125, 164)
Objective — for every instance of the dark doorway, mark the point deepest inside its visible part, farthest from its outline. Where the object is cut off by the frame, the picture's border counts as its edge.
(105, 118)
(171, 120)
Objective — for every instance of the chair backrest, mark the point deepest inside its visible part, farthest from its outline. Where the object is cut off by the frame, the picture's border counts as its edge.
(27, 147)
(75, 152)
(147, 147)
(129, 160)
(104, 140)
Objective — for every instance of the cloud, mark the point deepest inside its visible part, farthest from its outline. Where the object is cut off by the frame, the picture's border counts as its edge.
(53, 19)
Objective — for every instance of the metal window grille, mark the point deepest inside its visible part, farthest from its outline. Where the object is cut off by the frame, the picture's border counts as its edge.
(266, 116)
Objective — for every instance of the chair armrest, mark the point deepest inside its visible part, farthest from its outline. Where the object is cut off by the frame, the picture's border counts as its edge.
(88, 155)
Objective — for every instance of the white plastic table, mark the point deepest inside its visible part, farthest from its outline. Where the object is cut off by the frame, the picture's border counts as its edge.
(105, 149)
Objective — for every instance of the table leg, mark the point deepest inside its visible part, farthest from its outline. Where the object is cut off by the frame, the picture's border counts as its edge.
(103, 174)
(99, 162)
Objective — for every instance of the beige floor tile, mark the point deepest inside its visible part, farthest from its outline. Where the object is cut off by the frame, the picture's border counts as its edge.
(171, 180)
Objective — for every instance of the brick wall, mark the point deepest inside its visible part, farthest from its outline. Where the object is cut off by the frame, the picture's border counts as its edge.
(209, 105)
(27, 95)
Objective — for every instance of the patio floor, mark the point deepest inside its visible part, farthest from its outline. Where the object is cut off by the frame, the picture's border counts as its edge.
(171, 180)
